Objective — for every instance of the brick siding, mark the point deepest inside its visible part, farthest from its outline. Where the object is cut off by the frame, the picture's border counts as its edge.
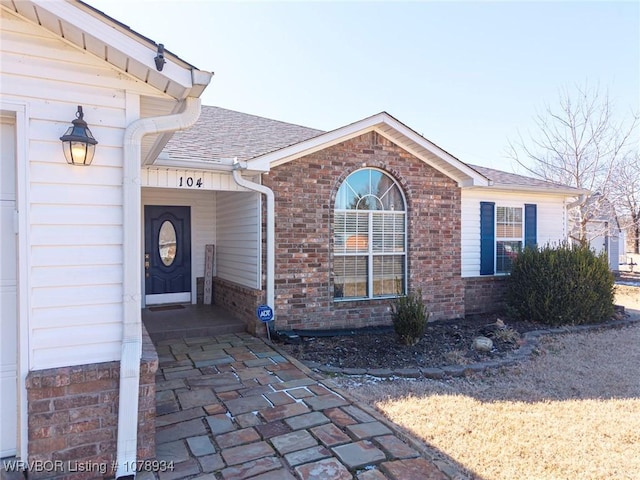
(73, 416)
(305, 193)
(242, 301)
(485, 294)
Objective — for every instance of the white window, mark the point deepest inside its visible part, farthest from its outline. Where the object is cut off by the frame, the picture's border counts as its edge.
(369, 233)
(509, 236)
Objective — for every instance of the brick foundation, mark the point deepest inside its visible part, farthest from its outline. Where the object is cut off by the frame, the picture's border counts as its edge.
(242, 301)
(305, 196)
(73, 416)
(485, 294)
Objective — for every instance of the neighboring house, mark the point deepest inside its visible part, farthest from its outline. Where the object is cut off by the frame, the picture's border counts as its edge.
(325, 227)
(602, 229)
(77, 382)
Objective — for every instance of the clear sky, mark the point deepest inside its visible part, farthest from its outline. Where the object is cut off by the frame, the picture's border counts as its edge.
(466, 75)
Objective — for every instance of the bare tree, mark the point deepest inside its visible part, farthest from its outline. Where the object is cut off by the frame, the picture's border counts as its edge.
(625, 188)
(578, 143)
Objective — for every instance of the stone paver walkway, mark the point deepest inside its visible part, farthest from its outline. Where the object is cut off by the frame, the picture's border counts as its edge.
(232, 407)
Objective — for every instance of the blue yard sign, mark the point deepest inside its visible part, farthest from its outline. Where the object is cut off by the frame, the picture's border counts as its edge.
(265, 313)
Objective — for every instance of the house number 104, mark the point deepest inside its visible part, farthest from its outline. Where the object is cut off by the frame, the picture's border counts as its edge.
(190, 182)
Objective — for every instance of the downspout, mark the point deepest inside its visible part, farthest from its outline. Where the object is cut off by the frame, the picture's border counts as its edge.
(271, 227)
(132, 261)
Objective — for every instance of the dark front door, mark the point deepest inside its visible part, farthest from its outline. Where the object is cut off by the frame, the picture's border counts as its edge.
(167, 257)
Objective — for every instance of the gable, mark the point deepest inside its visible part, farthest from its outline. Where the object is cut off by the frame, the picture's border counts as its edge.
(369, 149)
(388, 127)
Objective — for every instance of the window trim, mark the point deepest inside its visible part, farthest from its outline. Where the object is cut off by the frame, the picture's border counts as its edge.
(488, 230)
(506, 239)
(370, 253)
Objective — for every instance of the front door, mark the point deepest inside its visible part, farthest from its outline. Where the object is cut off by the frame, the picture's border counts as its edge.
(8, 291)
(167, 257)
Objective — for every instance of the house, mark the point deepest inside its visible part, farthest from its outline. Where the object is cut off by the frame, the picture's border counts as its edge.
(356, 215)
(601, 228)
(324, 227)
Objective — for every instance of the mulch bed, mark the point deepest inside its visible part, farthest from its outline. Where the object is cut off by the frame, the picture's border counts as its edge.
(444, 343)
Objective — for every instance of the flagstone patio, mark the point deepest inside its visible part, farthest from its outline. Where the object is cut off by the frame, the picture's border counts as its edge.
(232, 407)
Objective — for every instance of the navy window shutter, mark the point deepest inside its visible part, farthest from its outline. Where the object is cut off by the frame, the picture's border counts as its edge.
(530, 225)
(487, 237)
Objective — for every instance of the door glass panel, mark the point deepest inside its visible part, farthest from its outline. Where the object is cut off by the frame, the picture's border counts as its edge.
(167, 243)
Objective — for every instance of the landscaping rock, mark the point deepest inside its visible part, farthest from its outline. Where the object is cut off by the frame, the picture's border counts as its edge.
(482, 344)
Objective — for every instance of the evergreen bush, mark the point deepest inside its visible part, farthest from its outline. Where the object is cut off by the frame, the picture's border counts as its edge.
(409, 317)
(561, 285)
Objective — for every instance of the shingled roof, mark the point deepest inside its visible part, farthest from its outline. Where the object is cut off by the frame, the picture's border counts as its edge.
(220, 133)
(515, 181)
(225, 134)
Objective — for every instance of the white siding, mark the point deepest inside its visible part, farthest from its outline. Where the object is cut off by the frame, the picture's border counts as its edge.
(74, 214)
(551, 221)
(238, 248)
(164, 177)
(203, 222)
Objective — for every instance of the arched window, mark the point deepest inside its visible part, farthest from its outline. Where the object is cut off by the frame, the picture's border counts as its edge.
(369, 233)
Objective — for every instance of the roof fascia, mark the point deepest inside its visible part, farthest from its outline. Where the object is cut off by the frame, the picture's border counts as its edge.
(306, 147)
(463, 174)
(469, 176)
(126, 30)
(568, 192)
(91, 28)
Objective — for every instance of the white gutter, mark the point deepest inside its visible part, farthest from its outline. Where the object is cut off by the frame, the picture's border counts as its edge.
(214, 164)
(132, 261)
(271, 228)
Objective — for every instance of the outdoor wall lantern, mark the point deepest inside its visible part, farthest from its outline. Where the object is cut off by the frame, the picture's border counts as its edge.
(78, 143)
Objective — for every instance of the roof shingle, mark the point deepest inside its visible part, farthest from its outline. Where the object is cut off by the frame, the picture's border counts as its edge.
(225, 134)
(220, 133)
(507, 179)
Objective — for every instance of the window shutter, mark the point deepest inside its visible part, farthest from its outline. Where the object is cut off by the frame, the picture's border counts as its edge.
(530, 225)
(487, 238)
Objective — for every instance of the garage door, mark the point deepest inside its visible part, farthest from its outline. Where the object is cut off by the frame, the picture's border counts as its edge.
(8, 290)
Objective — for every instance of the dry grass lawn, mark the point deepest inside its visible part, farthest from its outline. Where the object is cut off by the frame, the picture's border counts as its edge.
(571, 412)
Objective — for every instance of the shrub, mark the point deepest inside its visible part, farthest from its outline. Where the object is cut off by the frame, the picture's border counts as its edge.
(562, 285)
(409, 317)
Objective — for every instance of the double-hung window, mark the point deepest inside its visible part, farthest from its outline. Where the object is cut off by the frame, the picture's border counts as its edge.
(504, 231)
(509, 236)
(369, 233)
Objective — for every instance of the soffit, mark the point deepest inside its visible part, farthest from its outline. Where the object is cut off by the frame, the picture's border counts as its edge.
(91, 30)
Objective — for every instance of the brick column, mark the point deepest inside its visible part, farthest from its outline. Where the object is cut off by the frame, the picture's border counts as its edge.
(73, 417)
